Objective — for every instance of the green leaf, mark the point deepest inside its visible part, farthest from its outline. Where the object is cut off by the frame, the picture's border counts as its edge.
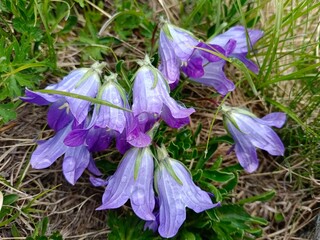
(262, 197)
(81, 3)
(278, 217)
(1, 200)
(14, 231)
(185, 235)
(7, 112)
(10, 199)
(218, 176)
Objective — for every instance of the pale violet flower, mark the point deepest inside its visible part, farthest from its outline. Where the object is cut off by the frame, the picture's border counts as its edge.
(132, 180)
(82, 81)
(175, 46)
(151, 99)
(250, 132)
(76, 159)
(176, 191)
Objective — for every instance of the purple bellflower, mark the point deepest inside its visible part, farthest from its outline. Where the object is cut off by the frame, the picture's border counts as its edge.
(206, 67)
(244, 41)
(76, 159)
(132, 180)
(83, 81)
(117, 123)
(250, 132)
(176, 191)
(175, 46)
(151, 99)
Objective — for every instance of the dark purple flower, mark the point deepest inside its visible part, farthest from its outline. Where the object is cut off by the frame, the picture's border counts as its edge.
(151, 99)
(249, 132)
(176, 191)
(132, 180)
(206, 67)
(59, 115)
(175, 46)
(244, 38)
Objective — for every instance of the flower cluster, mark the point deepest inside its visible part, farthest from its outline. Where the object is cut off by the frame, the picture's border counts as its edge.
(159, 187)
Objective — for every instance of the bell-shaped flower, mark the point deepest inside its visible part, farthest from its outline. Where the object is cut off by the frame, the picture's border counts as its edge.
(244, 41)
(207, 68)
(76, 159)
(132, 180)
(175, 46)
(82, 81)
(107, 116)
(250, 132)
(151, 99)
(176, 191)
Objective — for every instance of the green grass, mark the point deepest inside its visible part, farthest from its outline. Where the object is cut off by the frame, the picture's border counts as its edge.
(36, 37)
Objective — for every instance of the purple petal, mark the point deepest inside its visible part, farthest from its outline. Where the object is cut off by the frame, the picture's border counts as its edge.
(177, 111)
(171, 121)
(142, 197)
(230, 46)
(121, 143)
(211, 48)
(172, 212)
(194, 68)
(192, 196)
(76, 137)
(99, 139)
(245, 151)
(152, 225)
(276, 119)
(87, 87)
(69, 82)
(48, 151)
(121, 183)
(170, 63)
(38, 98)
(76, 160)
(110, 117)
(137, 138)
(238, 33)
(58, 115)
(98, 182)
(214, 77)
(134, 134)
(261, 136)
(146, 99)
(92, 168)
(249, 64)
(183, 42)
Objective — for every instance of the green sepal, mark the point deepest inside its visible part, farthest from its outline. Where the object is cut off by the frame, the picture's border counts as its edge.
(170, 170)
(138, 163)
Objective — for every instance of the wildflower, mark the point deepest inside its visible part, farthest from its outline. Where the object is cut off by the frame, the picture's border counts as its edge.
(176, 191)
(76, 159)
(206, 68)
(82, 81)
(132, 180)
(249, 132)
(244, 41)
(175, 46)
(151, 99)
(110, 117)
